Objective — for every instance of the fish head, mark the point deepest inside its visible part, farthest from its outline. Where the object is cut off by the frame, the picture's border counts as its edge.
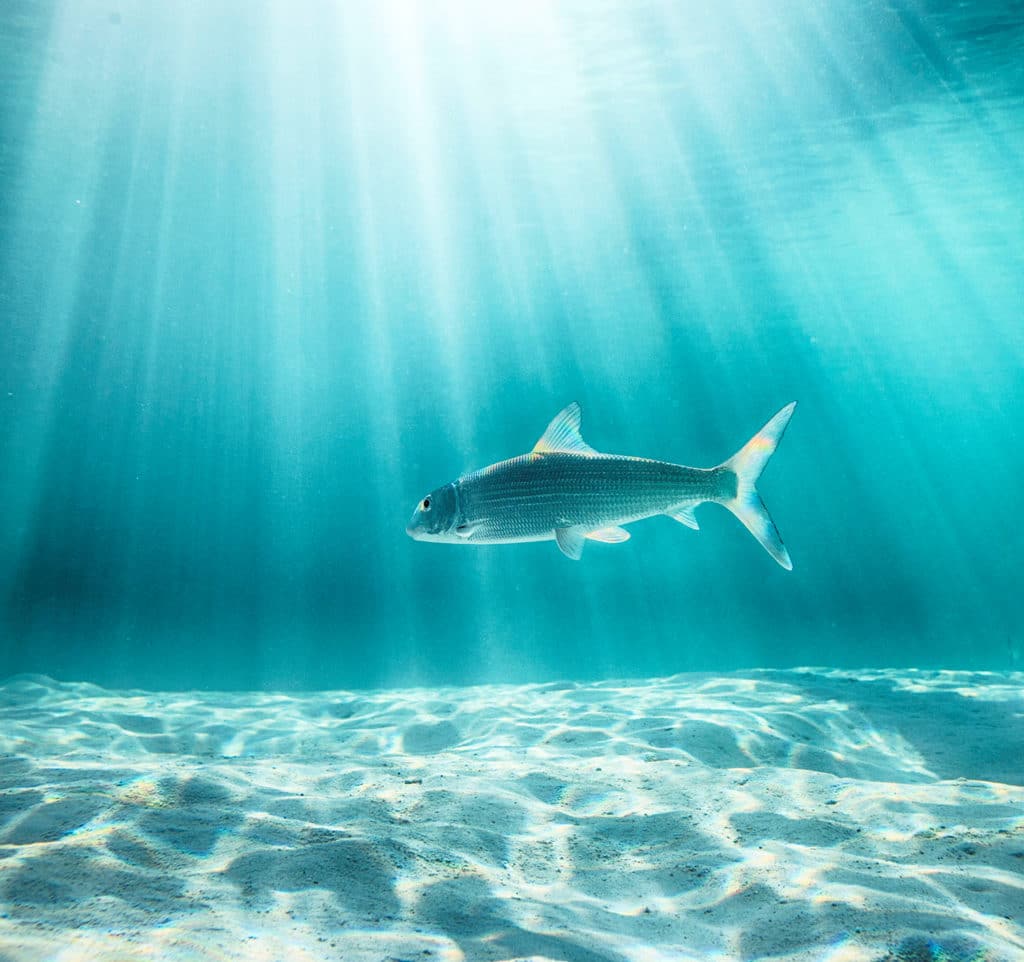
(436, 516)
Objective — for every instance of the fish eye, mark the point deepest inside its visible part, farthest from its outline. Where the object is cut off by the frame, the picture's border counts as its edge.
(425, 503)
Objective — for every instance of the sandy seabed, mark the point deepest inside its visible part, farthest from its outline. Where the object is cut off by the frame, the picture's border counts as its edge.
(795, 815)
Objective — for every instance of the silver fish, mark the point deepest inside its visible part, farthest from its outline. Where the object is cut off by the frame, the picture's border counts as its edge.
(564, 490)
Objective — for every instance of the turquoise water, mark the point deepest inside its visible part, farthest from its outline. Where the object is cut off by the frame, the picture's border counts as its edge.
(270, 272)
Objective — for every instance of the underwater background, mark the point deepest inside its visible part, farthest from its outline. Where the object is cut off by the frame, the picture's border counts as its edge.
(270, 272)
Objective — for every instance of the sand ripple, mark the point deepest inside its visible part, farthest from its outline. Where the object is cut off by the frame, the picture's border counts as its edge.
(766, 815)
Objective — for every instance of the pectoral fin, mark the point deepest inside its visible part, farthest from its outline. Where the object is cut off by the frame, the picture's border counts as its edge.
(609, 535)
(571, 540)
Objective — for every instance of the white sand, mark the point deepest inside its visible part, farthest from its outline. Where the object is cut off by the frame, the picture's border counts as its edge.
(766, 815)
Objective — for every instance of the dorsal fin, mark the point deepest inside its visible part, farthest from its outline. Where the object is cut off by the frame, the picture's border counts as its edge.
(563, 434)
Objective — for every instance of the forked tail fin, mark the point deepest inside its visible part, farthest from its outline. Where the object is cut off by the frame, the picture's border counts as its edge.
(747, 464)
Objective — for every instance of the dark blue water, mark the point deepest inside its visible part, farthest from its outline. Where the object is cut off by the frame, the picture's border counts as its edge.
(271, 272)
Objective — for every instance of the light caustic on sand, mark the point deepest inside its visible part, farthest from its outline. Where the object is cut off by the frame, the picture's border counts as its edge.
(770, 815)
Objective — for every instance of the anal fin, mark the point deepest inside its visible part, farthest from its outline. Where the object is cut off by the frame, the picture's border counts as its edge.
(685, 515)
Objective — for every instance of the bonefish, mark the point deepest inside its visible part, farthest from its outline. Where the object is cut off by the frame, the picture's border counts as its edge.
(565, 491)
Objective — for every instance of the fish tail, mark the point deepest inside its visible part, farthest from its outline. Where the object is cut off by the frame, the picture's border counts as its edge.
(742, 499)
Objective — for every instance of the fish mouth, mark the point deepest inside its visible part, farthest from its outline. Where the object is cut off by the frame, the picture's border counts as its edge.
(424, 534)
(418, 532)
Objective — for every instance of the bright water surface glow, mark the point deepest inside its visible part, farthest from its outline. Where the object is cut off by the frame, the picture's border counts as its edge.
(269, 272)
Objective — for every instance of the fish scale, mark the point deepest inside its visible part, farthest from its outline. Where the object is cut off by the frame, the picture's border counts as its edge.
(528, 497)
